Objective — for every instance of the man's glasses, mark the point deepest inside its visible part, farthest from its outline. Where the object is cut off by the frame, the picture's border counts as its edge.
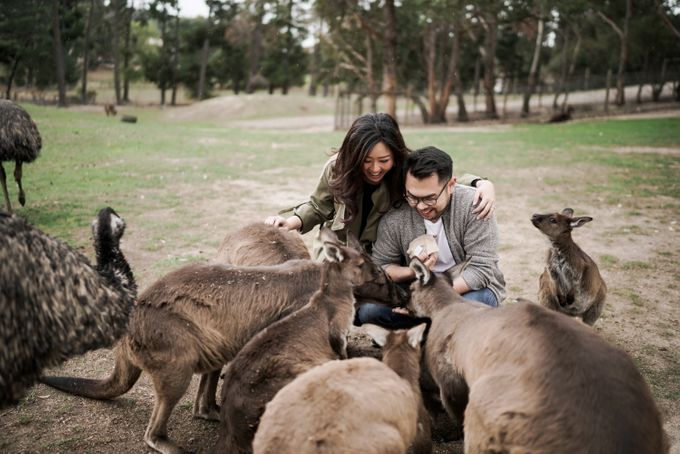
(430, 200)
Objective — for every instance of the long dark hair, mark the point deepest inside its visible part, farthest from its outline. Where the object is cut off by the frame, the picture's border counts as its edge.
(367, 131)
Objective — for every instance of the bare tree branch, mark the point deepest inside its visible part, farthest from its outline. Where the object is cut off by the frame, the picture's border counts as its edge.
(613, 25)
(662, 13)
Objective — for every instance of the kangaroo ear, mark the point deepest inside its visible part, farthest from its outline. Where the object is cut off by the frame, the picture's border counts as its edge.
(423, 273)
(326, 234)
(415, 334)
(333, 252)
(568, 212)
(578, 222)
(354, 243)
(377, 333)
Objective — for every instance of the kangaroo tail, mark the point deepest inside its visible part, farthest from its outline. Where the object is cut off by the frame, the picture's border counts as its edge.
(124, 376)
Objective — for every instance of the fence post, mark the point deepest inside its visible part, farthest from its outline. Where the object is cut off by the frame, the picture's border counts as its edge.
(586, 78)
(606, 96)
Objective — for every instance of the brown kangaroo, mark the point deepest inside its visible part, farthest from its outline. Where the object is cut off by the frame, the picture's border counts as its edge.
(194, 320)
(522, 378)
(359, 405)
(313, 335)
(251, 245)
(110, 109)
(571, 282)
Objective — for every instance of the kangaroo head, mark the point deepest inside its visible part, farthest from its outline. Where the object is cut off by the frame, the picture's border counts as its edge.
(554, 225)
(430, 286)
(389, 339)
(355, 266)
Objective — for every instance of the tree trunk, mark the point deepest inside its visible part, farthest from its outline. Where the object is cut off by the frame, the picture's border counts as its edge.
(370, 77)
(164, 58)
(59, 53)
(570, 72)
(205, 51)
(606, 95)
(430, 47)
(658, 87)
(623, 57)
(643, 78)
(289, 47)
(390, 58)
(86, 53)
(175, 62)
(563, 72)
(126, 54)
(10, 77)
(531, 78)
(490, 40)
(255, 52)
(316, 63)
(115, 30)
(455, 65)
(475, 83)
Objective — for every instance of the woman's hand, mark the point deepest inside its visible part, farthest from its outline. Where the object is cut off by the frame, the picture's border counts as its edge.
(485, 199)
(291, 223)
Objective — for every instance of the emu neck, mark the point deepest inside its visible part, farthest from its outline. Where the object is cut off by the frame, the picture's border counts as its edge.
(111, 262)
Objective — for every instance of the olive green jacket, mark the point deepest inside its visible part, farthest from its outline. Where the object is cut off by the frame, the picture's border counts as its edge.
(323, 209)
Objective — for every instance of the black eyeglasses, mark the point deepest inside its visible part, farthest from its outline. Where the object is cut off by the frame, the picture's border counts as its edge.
(429, 201)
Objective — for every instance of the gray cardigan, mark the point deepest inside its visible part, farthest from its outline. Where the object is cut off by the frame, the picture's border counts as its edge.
(468, 237)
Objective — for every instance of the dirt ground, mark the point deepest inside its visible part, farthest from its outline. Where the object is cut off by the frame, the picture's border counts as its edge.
(636, 245)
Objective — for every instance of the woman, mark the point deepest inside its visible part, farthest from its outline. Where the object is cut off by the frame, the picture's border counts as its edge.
(362, 181)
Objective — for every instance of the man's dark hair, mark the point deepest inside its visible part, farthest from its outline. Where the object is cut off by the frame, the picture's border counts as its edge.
(423, 162)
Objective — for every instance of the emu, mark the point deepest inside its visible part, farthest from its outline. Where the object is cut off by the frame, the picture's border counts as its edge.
(571, 282)
(359, 405)
(196, 319)
(19, 142)
(523, 378)
(54, 303)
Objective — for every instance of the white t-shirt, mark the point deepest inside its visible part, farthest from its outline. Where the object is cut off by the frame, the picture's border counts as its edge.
(445, 259)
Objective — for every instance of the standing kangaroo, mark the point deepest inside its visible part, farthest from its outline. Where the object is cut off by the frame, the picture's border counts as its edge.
(522, 378)
(313, 335)
(359, 405)
(251, 245)
(194, 320)
(571, 282)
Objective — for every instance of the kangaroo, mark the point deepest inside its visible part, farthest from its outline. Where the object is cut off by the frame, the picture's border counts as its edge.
(251, 245)
(315, 334)
(359, 405)
(110, 109)
(522, 378)
(195, 319)
(571, 282)
(261, 244)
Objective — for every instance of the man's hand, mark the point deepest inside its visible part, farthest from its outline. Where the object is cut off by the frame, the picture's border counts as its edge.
(401, 310)
(429, 260)
(485, 199)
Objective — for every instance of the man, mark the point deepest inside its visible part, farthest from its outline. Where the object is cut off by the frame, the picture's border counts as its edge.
(436, 206)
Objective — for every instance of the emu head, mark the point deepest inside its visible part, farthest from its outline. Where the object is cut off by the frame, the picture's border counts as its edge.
(555, 225)
(108, 226)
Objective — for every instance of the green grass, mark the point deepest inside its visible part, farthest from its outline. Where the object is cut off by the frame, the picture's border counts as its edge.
(89, 161)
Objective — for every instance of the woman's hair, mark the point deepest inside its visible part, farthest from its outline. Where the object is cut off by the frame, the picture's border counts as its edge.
(367, 131)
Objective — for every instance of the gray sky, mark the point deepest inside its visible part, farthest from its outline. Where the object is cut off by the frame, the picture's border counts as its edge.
(193, 8)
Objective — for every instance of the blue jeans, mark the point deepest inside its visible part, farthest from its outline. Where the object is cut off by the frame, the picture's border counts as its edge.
(382, 315)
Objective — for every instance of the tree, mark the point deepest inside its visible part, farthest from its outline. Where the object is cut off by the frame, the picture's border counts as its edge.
(622, 32)
(59, 53)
